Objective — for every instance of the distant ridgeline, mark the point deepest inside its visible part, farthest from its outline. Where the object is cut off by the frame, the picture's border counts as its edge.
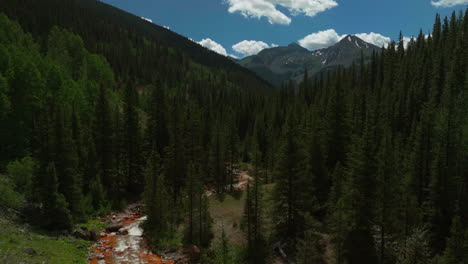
(97, 110)
(282, 64)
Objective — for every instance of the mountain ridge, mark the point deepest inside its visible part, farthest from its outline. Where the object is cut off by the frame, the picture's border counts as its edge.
(108, 30)
(280, 64)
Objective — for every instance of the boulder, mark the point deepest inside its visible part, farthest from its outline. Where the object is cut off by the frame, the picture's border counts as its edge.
(94, 235)
(113, 227)
(81, 234)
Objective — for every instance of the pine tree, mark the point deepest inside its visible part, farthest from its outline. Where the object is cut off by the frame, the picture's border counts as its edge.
(103, 135)
(388, 193)
(293, 193)
(336, 211)
(217, 166)
(232, 150)
(205, 222)
(55, 207)
(358, 194)
(68, 174)
(193, 189)
(223, 251)
(254, 215)
(156, 201)
(132, 151)
(307, 249)
(335, 123)
(456, 250)
(318, 171)
(158, 135)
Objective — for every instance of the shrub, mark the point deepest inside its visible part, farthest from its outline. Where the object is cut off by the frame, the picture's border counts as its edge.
(21, 172)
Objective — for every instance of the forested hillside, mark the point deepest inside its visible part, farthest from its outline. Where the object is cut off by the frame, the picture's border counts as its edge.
(136, 49)
(372, 159)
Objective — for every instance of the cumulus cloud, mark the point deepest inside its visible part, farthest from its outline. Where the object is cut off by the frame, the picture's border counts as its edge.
(406, 41)
(374, 38)
(448, 3)
(329, 37)
(147, 19)
(251, 47)
(166, 27)
(212, 45)
(321, 39)
(268, 8)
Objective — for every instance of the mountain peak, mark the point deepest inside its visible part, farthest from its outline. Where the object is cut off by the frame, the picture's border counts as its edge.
(293, 44)
(352, 40)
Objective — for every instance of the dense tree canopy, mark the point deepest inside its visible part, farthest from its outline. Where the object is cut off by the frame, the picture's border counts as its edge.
(377, 153)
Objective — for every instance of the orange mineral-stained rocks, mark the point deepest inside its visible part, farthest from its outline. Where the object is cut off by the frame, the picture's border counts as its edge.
(125, 246)
(103, 249)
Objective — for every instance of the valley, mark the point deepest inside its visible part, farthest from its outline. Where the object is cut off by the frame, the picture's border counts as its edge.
(123, 141)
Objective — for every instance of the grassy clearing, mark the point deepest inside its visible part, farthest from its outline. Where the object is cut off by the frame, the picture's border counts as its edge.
(228, 213)
(94, 224)
(15, 240)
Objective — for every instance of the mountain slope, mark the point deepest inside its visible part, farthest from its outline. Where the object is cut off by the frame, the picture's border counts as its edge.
(126, 40)
(280, 64)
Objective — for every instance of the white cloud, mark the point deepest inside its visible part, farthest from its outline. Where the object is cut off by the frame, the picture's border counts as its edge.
(448, 3)
(147, 19)
(268, 8)
(212, 45)
(374, 38)
(406, 41)
(329, 37)
(251, 47)
(321, 39)
(166, 27)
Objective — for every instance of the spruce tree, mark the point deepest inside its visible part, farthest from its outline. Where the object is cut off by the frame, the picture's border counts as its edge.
(55, 206)
(193, 189)
(156, 200)
(103, 136)
(254, 215)
(134, 181)
(67, 161)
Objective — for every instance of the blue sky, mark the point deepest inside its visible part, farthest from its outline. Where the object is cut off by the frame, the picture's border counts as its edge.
(244, 27)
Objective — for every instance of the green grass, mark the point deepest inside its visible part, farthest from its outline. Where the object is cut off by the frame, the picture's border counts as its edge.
(51, 250)
(94, 224)
(228, 214)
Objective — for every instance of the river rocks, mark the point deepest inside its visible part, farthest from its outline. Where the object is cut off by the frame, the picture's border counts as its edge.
(81, 234)
(113, 227)
(123, 232)
(85, 234)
